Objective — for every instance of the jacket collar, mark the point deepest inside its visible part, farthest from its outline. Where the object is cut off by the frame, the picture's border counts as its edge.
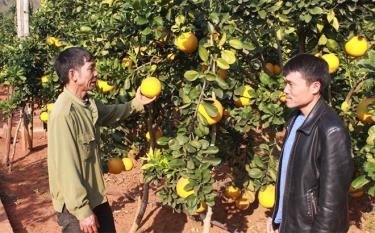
(313, 116)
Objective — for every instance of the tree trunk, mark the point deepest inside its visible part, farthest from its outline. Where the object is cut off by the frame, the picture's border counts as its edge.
(142, 207)
(8, 132)
(27, 128)
(301, 39)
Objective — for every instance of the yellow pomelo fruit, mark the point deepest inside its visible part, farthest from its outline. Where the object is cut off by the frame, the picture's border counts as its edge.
(357, 46)
(158, 134)
(370, 140)
(242, 203)
(283, 97)
(362, 111)
(127, 62)
(276, 69)
(202, 207)
(180, 188)
(49, 107)
(128, 163)
(51, 40)
(269, 67)
(212, 120)
(245, 98)
(104, 86)
(333, 62)
(222, 74)
(249, 195)
(267, 196)
(187, 42)
(44, 116)
(44, 79)
(171, 56)
(151, 87)
(345, 106)
(232, 192)
(115, 165)
(355, 192)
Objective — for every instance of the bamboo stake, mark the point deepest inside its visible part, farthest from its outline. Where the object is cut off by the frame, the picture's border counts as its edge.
(15, 140)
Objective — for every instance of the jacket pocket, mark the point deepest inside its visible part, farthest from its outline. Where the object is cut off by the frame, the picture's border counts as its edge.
(88, 144)
(312, 202)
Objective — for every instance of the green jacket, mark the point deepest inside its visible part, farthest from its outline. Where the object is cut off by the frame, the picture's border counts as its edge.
(74, 161)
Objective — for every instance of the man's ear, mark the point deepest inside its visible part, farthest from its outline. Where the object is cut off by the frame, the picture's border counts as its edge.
(72, 74)
(316, 87)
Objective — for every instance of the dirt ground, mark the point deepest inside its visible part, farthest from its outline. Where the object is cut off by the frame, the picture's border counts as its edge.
(26, 198)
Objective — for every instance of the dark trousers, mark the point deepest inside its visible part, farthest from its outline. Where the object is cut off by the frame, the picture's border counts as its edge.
(70, 224)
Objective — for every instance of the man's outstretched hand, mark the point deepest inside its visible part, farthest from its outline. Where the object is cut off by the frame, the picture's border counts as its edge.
(143, 99)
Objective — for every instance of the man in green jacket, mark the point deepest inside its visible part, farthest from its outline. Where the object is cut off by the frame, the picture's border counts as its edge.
(74, 163)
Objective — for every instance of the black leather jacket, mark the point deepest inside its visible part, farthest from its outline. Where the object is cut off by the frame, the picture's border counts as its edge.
(318, 175)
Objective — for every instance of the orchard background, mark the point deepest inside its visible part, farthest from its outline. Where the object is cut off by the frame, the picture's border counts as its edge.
(229, 62)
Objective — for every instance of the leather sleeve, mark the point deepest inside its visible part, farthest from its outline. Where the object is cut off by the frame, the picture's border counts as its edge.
(336, 171)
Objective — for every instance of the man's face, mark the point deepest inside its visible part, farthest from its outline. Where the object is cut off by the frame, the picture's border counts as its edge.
(298, 92)
(86, 76)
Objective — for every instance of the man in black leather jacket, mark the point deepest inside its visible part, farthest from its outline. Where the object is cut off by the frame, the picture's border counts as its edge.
(315, 168)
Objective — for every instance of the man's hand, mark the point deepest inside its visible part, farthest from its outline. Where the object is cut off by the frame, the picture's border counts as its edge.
(89, 224)
(269, 226)
(143, 99)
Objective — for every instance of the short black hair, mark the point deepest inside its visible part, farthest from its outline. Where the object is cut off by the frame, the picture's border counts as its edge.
(71, 58)
(312, 69)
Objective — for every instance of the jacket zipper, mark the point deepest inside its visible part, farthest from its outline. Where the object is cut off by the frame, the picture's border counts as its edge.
(313, 202)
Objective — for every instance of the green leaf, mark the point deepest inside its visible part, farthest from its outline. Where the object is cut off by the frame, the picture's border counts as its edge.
(85, 29)
(203, 53)
(210, 109)
(212, 161)
(262, 14)
(322, 40)
(191, 75)
(222, 64)
(204, 144)
(359, 182)
(316, 11)
(228, 56)
(305, 17)
(147, 166)
(222, 40)
(332, 45)
(235, 43)
(181, 139)
(190, 165)
(369, 167)
(330, 16)
(180, 19)
(177, 163)
(162, 141)
(211, 150)
(196, 144)
(335, 24)
(221, 83)
(371, 191)
(139, 20)
(255, 173)
(264, 78)
(189, 148)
